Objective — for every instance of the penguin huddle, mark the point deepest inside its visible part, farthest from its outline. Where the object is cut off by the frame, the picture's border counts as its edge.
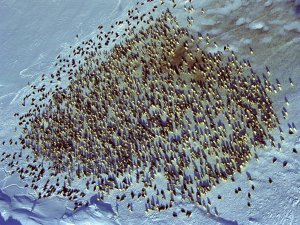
(158, 106)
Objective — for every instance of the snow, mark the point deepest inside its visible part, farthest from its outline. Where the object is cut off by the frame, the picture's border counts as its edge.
(33, 33)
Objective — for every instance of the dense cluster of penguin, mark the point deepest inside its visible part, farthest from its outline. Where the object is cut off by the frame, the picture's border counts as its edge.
(158, 109)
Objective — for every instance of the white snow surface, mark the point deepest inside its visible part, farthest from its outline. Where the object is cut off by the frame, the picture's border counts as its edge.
(33, 33)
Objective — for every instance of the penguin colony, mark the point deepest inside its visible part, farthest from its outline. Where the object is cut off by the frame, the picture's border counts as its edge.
(158, 105)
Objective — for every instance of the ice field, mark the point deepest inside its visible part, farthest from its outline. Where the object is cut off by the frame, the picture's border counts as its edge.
(265, 32)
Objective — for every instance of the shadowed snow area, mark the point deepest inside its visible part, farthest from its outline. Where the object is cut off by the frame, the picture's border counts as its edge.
(33, 33)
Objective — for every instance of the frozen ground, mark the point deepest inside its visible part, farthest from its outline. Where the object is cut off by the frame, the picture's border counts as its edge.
(33, 33)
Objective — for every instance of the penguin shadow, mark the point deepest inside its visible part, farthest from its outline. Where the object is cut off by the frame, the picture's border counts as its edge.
(249, 176)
